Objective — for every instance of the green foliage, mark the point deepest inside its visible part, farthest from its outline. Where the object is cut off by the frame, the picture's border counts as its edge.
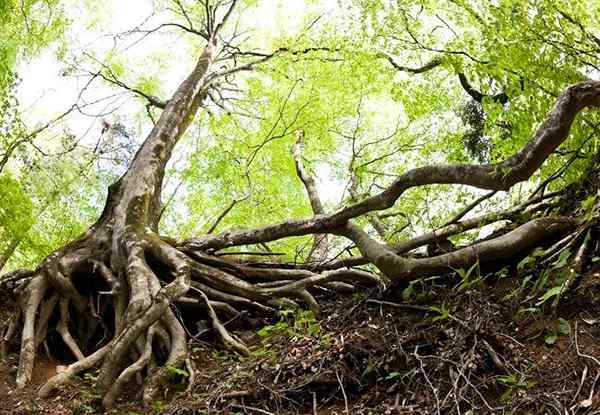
(442, 313)
(296, 322)
(337, 85)
(176, 371)
(560, 328)
(513, 384)
(469, 277)
(27, 26)
(158, 407)
(279, 327)
(90, 376)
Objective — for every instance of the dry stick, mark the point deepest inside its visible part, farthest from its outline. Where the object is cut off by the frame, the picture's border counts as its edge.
(343, 391)
(495, 357)
(578, 262)
(399, 305)
(583, 376)
(469, 208)
(593, 387)
(251, 408)
(593, 359)
(433, 389)
(314, 396)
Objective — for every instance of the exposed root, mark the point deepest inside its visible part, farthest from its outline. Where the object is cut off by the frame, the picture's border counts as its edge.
(229, 340)
(45, 313)
(128, 374)
(63, 329)
(10, 332)
(72, 370)
(34, 292)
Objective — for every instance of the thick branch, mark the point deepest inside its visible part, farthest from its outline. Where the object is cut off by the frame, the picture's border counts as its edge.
(500, 176)
(320, 244)
(398, 268)
(434, 63)
(501, 97)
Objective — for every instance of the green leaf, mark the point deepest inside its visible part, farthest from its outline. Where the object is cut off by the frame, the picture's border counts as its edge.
(562, 259)
(550, 338)
(564, 329)
(393, 375)
(552, 292)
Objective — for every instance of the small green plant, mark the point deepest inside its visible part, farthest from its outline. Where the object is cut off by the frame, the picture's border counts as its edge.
(85, 408)
(524, 310)
(513, 384)
(91, 376)
(562, 260)
(175, 371)
(443, 313)
(158, 407)
(555, 291)
(306, 324)
(299, 323)
(278, 327)
(561, 328)
(408, 292)
(530, 259)
(411, 291)
(468, 277)
(540, 284)
(590, 205)
(393, 375)
(517, 291)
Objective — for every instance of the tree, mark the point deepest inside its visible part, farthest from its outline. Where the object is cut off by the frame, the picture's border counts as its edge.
(140, 273)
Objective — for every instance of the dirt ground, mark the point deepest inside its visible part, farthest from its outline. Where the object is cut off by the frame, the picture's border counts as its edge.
(432, 348)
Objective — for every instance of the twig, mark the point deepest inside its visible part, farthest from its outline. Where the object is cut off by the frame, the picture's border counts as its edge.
(400, 305)
(223, 214)
(495, 357)
(581, 354)
(469, 208)
(583, 376)
(245, 407)
(433, 389)
(343, 391)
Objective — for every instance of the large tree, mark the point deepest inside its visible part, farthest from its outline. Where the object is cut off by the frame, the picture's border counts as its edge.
(517, 105)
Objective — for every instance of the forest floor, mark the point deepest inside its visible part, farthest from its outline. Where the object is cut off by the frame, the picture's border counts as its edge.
(438, 346)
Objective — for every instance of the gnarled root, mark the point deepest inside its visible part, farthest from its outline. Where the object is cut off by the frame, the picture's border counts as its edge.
(120, 316)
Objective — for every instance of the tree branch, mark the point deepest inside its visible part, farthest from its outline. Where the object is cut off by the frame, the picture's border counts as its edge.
(320, 245)
(500, 176)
